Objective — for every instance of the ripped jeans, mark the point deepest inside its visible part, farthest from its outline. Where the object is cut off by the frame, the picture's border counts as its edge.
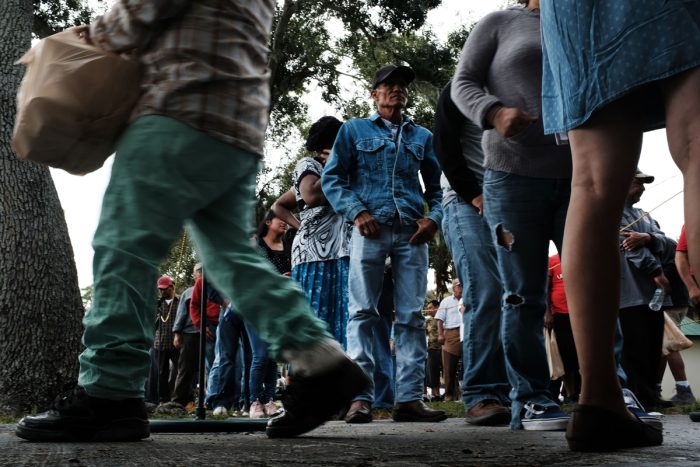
(524, 214)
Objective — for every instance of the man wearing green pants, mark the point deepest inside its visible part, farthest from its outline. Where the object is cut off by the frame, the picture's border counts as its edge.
(194, 144)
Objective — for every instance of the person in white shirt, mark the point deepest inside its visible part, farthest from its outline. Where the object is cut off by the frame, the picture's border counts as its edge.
(449, 320)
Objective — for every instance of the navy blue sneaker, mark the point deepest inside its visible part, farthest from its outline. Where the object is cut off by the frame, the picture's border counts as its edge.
(544, 418)
(637, 409)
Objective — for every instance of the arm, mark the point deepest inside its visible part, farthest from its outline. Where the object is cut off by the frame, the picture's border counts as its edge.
(195, 303)
(130, 23)
(449, 151)
(469, 85)
(683, 266)
(311, 191)
(283, 207)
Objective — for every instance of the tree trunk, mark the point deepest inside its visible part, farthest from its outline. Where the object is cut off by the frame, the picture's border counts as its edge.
(40, 305)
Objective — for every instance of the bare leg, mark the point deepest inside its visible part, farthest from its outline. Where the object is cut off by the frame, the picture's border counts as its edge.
(677, 366)
(683, 132)
(605, 153)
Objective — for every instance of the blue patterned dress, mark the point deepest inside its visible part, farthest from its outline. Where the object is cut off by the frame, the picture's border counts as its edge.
(596, 51)
(320, 256)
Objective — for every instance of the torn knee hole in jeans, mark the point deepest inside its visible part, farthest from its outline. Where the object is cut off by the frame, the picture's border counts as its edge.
(513, 299)
(505, 237)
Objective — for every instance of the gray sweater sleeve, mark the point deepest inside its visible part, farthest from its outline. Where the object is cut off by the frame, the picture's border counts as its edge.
(469, 92)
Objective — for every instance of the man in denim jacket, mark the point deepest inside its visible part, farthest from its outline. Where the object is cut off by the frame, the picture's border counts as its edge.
(371, 178)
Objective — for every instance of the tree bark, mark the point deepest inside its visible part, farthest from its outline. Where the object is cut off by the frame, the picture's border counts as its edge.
(40, 305)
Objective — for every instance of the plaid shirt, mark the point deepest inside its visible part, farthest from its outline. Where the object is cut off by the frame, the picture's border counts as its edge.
(165, 317)
(205, 62)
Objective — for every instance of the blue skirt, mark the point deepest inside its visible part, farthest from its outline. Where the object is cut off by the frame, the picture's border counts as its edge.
(325, 284)
(596, 51)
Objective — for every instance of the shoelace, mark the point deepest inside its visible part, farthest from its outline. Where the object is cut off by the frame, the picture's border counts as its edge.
(531, 410)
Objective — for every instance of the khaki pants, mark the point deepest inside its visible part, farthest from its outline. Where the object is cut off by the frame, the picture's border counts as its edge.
(451, 353)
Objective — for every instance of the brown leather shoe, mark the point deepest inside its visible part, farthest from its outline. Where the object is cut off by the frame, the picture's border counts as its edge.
(416, 411)
(359, 412)
(488, 412)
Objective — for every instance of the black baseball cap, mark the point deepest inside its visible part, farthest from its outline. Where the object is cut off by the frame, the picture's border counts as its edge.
(393, 71)
(642, 177)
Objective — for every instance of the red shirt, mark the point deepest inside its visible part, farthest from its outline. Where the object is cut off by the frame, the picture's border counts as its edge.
(683, 244)
(195, 306)
(557, 295)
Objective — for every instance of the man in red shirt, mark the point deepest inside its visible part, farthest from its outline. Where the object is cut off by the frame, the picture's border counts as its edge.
(557, 318)
(684, 395)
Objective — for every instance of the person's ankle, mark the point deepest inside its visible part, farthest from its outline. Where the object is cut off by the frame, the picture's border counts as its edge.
(316, 358)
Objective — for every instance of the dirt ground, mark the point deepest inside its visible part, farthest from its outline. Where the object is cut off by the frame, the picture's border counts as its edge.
(381, 443)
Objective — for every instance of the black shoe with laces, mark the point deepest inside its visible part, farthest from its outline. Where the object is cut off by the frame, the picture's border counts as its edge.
(76, 416)
(310, 401)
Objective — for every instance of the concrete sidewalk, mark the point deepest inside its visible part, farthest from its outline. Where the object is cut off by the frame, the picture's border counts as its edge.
(382, 443)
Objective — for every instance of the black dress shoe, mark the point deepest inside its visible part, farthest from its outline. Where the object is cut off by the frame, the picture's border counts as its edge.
(76, 416)
(416, 411)
(592, 429)
(360, 412)
(309, 401)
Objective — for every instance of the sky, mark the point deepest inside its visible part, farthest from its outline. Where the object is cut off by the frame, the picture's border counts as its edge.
(81, 196)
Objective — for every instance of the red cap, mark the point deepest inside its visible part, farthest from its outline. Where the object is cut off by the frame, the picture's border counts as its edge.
(164, 282)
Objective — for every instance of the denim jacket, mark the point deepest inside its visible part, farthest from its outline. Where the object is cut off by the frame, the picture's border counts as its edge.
(369, 171)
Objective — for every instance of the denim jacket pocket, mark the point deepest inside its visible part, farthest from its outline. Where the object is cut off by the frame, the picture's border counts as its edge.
(371, 153)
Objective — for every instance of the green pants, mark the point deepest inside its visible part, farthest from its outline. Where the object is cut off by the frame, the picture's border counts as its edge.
(165, 175)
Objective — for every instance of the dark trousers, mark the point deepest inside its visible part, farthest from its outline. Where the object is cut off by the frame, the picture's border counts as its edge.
(187, 365)
(643, 332)
(162, 375)
(434, 366)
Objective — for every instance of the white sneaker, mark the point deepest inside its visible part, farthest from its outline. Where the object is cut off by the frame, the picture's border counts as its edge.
(220, 412)
(257, 410)
(271, 409)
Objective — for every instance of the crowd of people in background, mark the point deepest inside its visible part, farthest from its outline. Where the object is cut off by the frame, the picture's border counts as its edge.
(498, 174)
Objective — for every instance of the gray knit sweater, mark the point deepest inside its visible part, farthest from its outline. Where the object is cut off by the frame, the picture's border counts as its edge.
(501, 63)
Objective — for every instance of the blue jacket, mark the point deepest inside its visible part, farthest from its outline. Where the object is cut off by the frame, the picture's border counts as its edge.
(368, 171)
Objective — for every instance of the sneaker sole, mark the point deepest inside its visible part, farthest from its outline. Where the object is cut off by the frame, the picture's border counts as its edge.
(550, 424)
(118, 431)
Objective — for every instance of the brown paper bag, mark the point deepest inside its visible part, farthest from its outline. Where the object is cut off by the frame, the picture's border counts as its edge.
(674, 339)
(556, 364)
(73, 103)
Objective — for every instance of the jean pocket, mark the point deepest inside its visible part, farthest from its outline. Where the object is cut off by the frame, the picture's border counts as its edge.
(494, 177)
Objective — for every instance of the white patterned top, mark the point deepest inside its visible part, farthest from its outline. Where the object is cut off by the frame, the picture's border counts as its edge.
(324, 234)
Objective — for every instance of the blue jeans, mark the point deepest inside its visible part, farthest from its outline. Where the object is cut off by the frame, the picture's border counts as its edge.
(384, 366)
(410, 269)
(263, 370)
(222, 383)
(469, 239)
(524, 214)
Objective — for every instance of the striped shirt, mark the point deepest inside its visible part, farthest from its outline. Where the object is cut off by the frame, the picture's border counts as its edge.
(205, 62)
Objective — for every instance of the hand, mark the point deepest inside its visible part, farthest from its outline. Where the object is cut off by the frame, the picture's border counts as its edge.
(694, 295)
(177, 340)
(83, 33)
(441, 339)
(478, 203)
(211, 337)
(662, 282)
(426, 230)
(367, 225)
(635, 240)
(509, 121)
(548, 320)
